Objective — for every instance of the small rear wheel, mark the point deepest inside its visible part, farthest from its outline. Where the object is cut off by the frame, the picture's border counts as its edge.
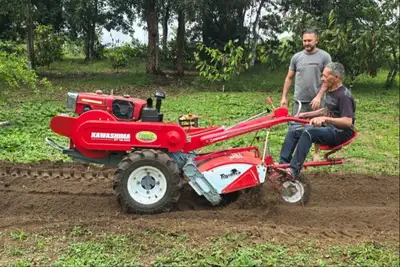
(147, 182)
(296, 192)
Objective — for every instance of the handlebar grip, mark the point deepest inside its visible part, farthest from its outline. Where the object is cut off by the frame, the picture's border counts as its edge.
(269, 100)
(298, 111)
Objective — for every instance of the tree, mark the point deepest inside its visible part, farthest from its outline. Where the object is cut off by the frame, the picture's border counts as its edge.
(255, 32)
(86, 18)
(223, 65)
(18, 19)
(165, 18)
(360, 35)
(48, 45)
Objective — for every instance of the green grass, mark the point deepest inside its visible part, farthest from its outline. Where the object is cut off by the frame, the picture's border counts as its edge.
(375, 151)
(152, 247)
(69, 66)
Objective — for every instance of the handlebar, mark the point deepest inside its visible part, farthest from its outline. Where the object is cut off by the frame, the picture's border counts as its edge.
(298, 111)
(54, 144)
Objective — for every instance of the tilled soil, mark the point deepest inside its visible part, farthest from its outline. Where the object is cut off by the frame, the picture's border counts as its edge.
(343, 207)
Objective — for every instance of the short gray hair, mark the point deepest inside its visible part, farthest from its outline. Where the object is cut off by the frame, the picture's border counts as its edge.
(337, 69)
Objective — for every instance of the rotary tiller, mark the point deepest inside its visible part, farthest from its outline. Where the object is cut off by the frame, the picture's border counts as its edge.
(153, 158)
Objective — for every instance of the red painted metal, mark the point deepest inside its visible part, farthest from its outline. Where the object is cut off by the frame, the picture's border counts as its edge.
(246, 180)
(62, 125)
(208, 139)
(104, 102)
(323, 147)
(87, 129)
(240, 158)
(312, 163)
(97, 133)
(226, 152)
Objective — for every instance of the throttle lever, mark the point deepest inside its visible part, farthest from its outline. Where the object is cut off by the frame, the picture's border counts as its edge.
(269, 100)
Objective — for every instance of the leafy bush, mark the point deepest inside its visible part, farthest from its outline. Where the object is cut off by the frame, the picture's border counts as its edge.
(122, 55)
(119, 58)
(48, 45)
(14, 71)
(10, 47)
(140, 49)
(223, 65)
(73, 48)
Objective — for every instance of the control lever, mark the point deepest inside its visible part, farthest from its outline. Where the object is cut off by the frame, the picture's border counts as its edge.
(269, 100)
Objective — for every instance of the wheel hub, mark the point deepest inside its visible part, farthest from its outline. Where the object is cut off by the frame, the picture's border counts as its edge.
(147, 185)
(148, 182)
(292, 192)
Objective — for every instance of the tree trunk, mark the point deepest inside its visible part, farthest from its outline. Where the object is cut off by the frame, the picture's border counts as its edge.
(152, 65)
(88, 42)
(30, 40)
(255, 34)
(204, 29)
(165, 20)
(90, 32)
(181, 42)
(393, 69)
(242, 33)
(93, 29)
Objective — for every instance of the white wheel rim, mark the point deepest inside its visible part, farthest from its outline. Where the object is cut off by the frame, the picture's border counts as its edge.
(299, 191)
(147, 185)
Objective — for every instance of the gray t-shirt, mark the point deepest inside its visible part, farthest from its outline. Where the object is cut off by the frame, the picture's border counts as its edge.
(308, 68)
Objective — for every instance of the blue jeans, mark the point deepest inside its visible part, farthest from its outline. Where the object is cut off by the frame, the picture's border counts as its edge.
(301, 139)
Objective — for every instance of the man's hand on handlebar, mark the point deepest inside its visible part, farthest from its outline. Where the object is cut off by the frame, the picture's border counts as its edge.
(284, 102)
(318, 121)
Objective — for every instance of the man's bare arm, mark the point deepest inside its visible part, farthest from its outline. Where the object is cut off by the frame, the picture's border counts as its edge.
(316, 102)
(286, 86)
(340, 122)
(312, 114)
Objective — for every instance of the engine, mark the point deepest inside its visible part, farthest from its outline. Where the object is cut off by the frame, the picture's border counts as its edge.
(124, 108)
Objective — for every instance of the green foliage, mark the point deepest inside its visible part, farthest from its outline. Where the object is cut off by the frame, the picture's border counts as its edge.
(274, 54)
(10, 47)
(73, 48)
(48, 45)
(24, 140)
(121, 56)
(18, 235)
(357, 49)
(276, 255)
(361, 35)
(15, 73)
(155, 247)
(113, 251)
(140, 49)
(223, 65)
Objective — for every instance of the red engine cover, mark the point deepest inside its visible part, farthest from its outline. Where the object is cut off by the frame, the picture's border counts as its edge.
(104, 102)
(96, 133)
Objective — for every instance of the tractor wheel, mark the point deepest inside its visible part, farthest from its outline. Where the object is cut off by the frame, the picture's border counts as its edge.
(147, 182)
(296, 192)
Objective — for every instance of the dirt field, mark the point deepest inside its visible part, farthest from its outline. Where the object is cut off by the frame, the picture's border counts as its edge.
(343, 208)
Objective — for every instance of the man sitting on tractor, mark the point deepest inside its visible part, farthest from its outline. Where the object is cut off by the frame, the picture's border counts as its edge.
(331, 125)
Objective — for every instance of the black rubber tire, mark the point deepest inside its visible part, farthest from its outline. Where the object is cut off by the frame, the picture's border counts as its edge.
(307, 191)
(156, 159)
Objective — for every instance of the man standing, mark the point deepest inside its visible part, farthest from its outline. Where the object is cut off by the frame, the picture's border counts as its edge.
(331, 125)
(307, 67)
